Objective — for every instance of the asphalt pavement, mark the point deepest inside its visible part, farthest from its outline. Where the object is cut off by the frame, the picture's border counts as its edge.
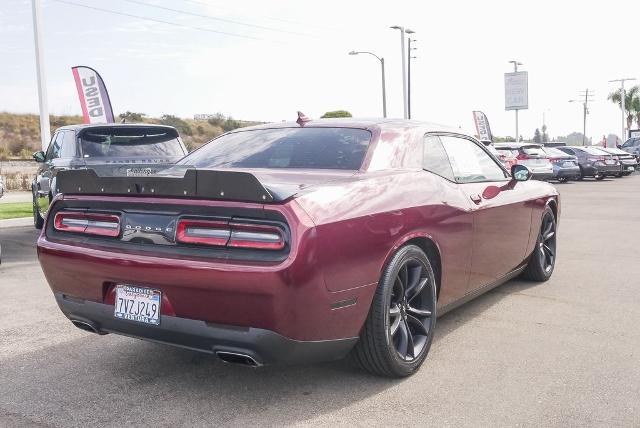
(562, 353)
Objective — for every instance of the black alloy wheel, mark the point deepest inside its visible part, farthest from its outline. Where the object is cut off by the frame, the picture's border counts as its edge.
(410, 310)
(543, 259)
(398, 332)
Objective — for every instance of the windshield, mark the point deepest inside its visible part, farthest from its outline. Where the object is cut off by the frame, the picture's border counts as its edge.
(130, 142)
(313, 148)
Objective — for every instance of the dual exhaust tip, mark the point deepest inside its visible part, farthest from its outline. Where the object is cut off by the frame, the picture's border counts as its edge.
(226, 356)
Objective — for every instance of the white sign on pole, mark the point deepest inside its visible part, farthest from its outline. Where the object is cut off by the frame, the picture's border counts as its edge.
(516, 90)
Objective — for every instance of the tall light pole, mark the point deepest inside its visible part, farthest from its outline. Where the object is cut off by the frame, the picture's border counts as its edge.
(384, 89)
(515, 70)
(623, 105)
(409, 57)
(404, 68)
(45, 132)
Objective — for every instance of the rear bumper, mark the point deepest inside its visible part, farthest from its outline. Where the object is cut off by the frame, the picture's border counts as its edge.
(264, 346)
(607, 170)
(573, 172)
(542, 175)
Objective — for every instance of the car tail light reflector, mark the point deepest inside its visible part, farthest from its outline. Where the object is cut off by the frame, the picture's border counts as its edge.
(88, 223)
(204, 232)
(234, 234)
(259, 236)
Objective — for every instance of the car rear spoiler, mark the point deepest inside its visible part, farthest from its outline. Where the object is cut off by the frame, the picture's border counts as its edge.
(205, 184)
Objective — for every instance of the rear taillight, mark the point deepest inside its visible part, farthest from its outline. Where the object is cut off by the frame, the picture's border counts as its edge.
(88, 223)
(205, 232)
(264, 237)
(234, 234)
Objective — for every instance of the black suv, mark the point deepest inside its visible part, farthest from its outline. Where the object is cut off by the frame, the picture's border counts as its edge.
(632, 145)
(113, 149)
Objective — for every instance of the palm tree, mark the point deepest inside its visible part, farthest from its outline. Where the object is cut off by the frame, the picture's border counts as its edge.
(629, 96)
(635, 108)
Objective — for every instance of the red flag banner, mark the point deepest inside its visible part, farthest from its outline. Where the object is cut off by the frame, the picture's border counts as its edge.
(93, 95)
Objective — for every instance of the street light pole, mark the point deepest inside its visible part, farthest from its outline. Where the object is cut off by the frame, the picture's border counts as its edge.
(585, 112)
(384, 88)
(409, 57)
(515, 70)
(45, 132)
(623, 103)
(404, 68)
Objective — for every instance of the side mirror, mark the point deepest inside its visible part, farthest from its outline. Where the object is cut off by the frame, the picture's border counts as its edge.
(520, 173)
(39, 156)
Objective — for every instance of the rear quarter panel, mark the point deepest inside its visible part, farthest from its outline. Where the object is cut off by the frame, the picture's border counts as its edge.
(361, 223)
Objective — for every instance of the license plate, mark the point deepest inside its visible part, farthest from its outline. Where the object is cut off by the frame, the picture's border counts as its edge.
(138, 304)
(568, 164)
(610, 162)
(140, 172)
(630, 168)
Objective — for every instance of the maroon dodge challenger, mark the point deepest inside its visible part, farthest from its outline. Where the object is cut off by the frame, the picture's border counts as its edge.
(299, 242)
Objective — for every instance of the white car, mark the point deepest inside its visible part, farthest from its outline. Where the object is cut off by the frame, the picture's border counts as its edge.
(531, 155)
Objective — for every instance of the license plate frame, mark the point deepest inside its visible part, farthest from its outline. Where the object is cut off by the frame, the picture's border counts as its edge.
(136, 304)
(141, 172)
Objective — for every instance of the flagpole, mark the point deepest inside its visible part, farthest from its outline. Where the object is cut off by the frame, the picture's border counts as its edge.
(45, 131)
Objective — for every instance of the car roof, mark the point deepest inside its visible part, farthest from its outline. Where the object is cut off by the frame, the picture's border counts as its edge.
(82, 126)
(361, 123)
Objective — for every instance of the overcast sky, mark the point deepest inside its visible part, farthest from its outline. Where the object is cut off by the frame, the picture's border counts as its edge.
(290, 55)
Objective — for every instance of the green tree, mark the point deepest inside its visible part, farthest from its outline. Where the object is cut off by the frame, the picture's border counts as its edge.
(537, 137)
(336, 113)
(218, 119)
(182, 126)
(545, 136)
(635, 108)
(130, 116)
(629, 96)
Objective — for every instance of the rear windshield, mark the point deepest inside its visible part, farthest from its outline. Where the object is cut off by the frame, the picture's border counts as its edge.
(313, 148)
(533, 151)
(594, 151)
(130, 142)
(555, 152)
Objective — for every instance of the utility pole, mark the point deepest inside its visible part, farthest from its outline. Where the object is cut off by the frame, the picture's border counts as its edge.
(404, 66)
(623, 105)
(409, 57)
(45, 132)
(588, 97)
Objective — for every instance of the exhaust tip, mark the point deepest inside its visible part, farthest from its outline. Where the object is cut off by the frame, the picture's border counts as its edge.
(86, 326)
(238, 358)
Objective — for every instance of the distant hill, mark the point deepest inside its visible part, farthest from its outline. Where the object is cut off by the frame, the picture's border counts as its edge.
(20, 133)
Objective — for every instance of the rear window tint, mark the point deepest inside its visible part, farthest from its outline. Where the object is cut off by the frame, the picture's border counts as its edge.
(130, 142)
(309, 148)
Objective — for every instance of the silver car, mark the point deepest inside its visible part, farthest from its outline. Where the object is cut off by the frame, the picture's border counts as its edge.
(531, 155)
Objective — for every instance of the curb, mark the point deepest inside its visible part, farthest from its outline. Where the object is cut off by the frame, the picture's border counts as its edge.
(16, 222)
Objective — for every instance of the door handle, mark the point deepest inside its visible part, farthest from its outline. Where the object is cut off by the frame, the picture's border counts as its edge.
(476, 198)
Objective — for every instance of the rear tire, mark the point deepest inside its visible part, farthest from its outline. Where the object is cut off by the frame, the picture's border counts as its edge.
(543, 259)
(581, 176)
(38, 220)
(398, 332)
(599, 177)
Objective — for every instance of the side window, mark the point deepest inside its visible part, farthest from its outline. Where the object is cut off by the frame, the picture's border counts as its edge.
(53, 152)
(435, 159)
(469, 162)
(567, 150)
(68, 145)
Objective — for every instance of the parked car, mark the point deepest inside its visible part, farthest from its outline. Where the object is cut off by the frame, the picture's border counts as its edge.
(628, 162)
(115, 149)
(565, 166)
(504, 156)
(530, 155)
(287, 243)
(632, 145)
(593, 162)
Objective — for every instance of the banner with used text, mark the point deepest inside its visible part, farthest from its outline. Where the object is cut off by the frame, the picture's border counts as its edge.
(482, 127)
(93, 95)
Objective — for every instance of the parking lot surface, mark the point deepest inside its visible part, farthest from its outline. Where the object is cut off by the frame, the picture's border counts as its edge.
(562, 353)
